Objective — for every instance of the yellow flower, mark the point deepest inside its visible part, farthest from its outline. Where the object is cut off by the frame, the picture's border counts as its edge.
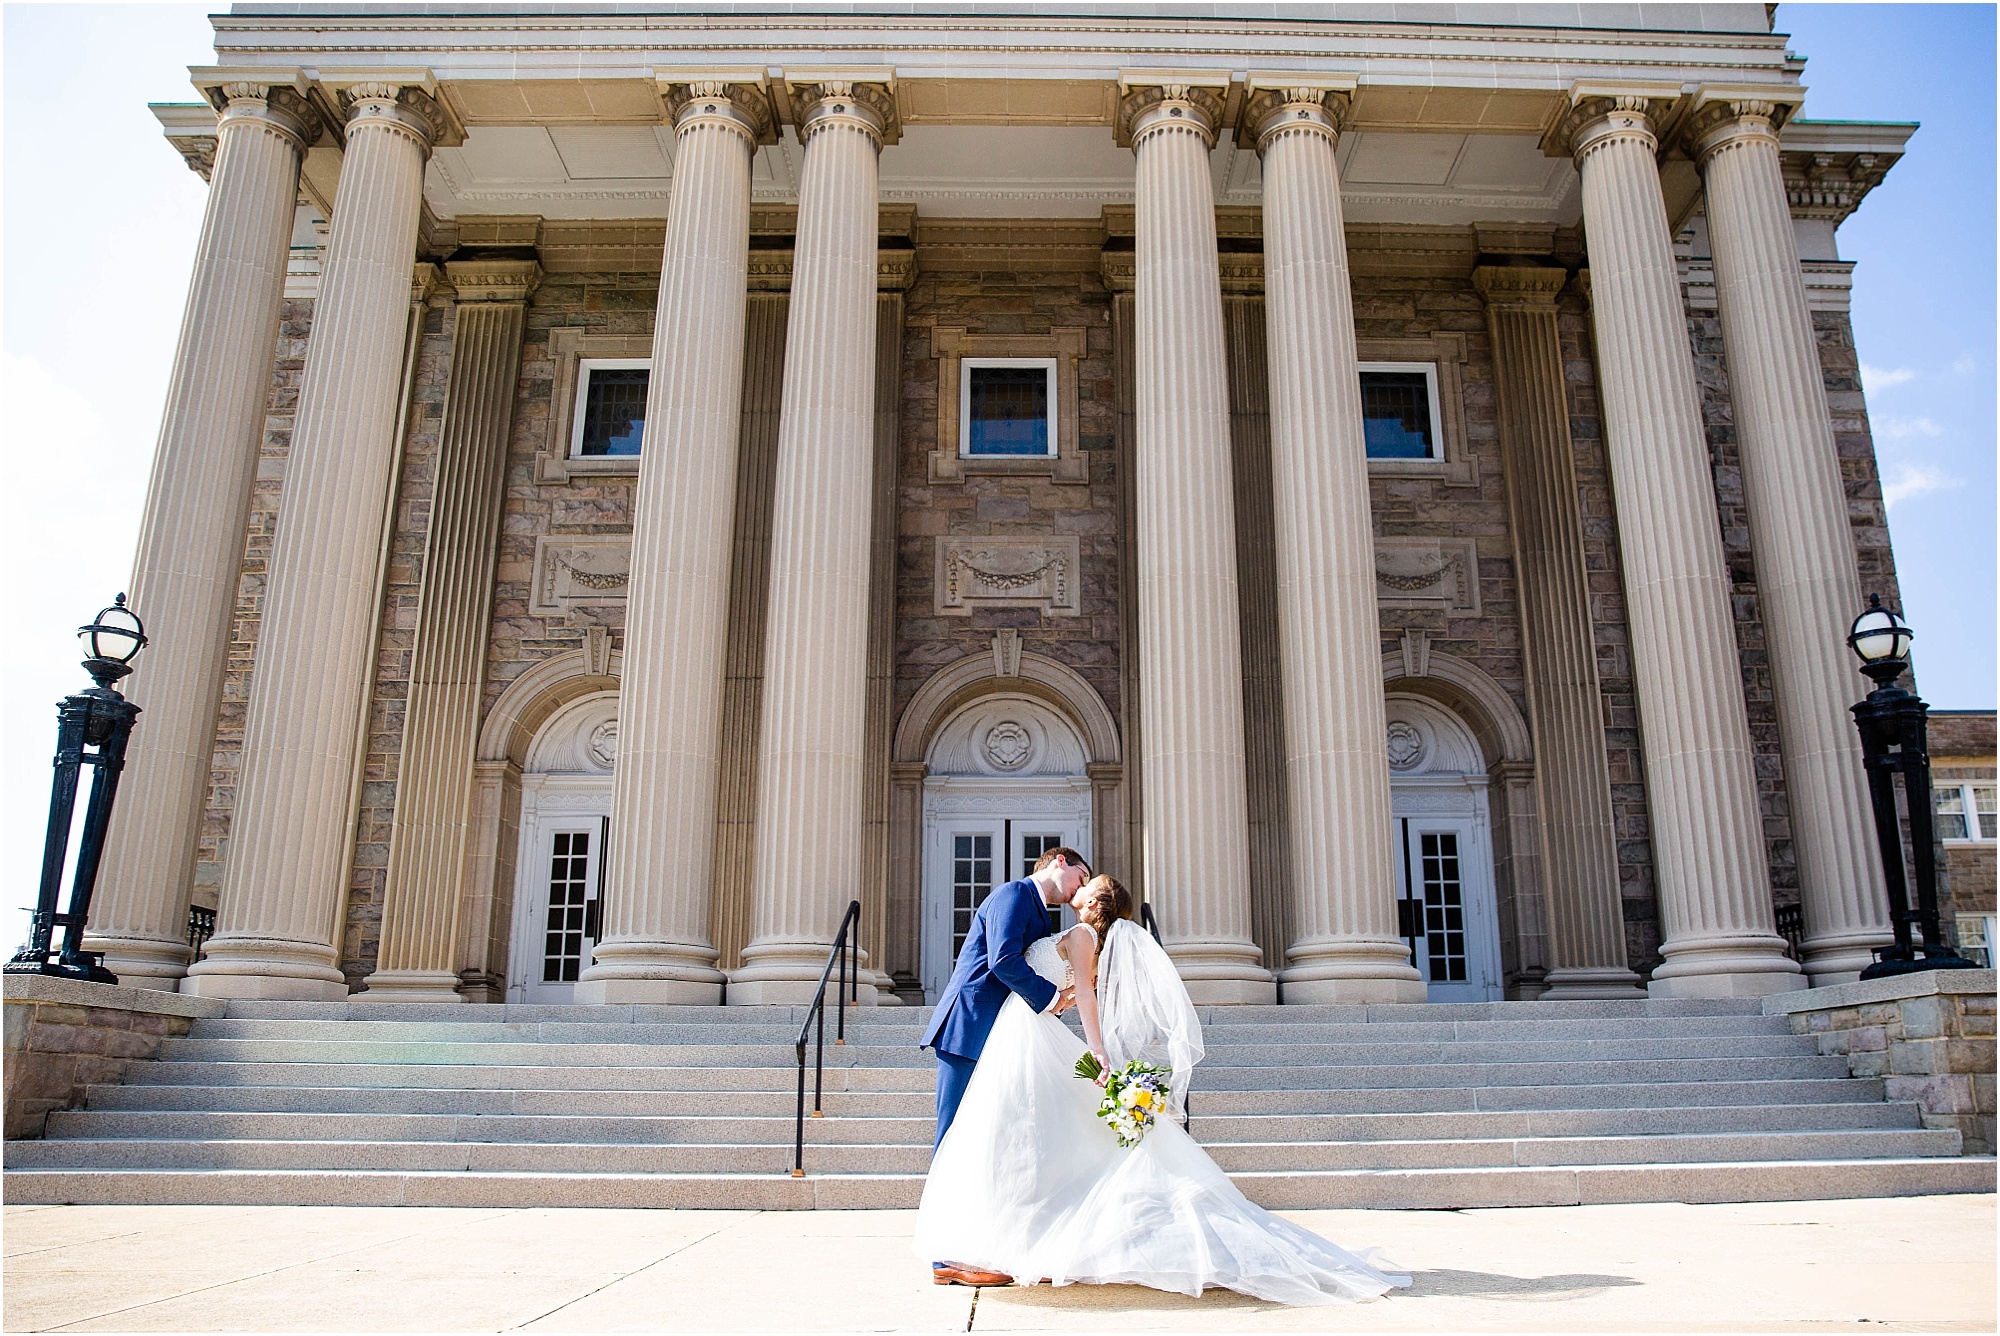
(1144, 1098)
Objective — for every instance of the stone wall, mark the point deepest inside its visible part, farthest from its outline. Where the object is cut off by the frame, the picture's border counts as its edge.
(1637, 886)
(1928, 1035)
(1021, 303)
(65, 1035)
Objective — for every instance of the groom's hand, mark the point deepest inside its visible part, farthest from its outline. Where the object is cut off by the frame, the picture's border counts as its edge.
(1065, 999)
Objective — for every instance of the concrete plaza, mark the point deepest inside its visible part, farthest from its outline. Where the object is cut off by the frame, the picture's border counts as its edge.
(1910, 1264)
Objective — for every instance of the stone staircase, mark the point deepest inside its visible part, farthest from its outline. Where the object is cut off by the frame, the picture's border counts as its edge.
(1424, 1106)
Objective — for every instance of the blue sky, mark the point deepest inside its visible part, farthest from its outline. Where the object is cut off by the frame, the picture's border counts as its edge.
(1923, 243)
(100, 219)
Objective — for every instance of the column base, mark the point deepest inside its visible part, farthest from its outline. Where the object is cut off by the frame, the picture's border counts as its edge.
(266, 969)
(1739, 965)
(1328, 971)
(1591, 981)
(1322, 992)
(1828, 960)
(410, 986)
(1223, 973)
(143, 962)
(650, 972)
(786, 974)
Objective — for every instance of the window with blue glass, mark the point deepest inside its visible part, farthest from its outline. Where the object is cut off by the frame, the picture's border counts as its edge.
(1006, 407)
(610, 407)
(1399, 410)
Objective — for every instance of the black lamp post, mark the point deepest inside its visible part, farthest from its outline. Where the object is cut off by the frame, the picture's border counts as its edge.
(1892, 724)
(92, 728)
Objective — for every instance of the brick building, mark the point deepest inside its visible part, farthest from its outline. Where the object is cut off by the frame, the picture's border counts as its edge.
(634, 484)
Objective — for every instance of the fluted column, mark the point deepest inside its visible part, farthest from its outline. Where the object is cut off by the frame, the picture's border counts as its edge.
(1708, 846)
(282, 892)
(191, 539)
(427, 842)
(1799, 535)
(1565, 710)
(1197, 846)
(1344, 946)
(656, 945)
(810, 780)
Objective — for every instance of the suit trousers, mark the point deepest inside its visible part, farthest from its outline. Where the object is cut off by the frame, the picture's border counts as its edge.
(954, 1075)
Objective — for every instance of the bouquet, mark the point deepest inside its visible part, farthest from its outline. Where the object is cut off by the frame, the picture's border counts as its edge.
(1134, 1096)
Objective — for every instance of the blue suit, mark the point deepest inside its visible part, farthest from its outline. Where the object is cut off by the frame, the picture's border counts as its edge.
(990, 966)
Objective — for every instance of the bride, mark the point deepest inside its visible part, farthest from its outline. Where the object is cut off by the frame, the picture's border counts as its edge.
(1029, 1182)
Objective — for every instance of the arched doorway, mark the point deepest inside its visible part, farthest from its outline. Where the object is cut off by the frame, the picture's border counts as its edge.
(1006, 780)
(1443, 845)
(564, 825)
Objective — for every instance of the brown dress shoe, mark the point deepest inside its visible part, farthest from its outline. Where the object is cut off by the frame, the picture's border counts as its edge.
(951, 1273)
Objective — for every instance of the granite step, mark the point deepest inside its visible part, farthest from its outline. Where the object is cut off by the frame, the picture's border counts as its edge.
(1408, 1189)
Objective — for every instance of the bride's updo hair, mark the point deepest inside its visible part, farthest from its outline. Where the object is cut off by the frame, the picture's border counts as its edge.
(1104, 899)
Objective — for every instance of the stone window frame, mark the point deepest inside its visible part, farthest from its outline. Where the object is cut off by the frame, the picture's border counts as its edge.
(1067, 344)
(577, 424)
(569, 347)
(967, 364)
(1446, 353)
(1429, 371)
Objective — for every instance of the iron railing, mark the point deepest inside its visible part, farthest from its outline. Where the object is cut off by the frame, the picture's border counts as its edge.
(1791, 924)
(845, 953)
(201, 927)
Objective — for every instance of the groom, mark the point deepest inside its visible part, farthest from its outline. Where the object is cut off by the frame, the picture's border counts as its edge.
(990, 966)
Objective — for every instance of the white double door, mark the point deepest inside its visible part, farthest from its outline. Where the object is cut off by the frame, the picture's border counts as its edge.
(979, 835)
(565, 823)
(1444, 879)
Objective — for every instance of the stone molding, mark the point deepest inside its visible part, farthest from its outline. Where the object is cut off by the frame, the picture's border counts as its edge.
(1281, 102)
(581, 570)
(740, 98)
(1154, 101)
(1067, 344)
(493, 280)
(861, 98)
(1724, 113)
(1008, 572)
(569, 345)
(949, 689)
(1600, 109)
(1437, 573)
(1458, 468)
(408, 98)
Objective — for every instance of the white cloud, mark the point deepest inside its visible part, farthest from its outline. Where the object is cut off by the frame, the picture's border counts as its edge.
(1910, 481)
(1875, 379)
(1964, 365)
(1903, 429)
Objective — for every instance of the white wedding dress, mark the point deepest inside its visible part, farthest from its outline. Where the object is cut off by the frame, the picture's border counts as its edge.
(1031, 1183)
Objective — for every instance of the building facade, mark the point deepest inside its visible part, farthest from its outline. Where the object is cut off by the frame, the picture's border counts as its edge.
(1392, 491)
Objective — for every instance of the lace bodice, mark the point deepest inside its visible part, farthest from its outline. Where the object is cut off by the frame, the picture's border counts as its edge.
(1046, 960)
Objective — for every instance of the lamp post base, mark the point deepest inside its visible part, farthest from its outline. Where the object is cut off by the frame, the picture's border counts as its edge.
(1888, 969)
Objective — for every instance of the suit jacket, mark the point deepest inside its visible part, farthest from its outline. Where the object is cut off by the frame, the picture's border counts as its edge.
(989, 967)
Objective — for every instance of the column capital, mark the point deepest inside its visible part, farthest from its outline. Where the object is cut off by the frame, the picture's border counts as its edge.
(1153, 100)
(493, 280)
(279, 97)
(739, 99)
(861, 99)
(423, 282)
(406, 99)
(1603, 110)
(1726, 114)
(1526, 287)
(1286, 102)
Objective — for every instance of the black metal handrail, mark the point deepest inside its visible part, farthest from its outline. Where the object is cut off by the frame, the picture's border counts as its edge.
(846, 953)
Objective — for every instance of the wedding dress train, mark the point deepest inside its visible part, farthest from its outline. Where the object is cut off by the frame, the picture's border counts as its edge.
(1031, 1183)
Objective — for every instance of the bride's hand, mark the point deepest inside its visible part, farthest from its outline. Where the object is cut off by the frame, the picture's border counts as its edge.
(1104, 1067)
